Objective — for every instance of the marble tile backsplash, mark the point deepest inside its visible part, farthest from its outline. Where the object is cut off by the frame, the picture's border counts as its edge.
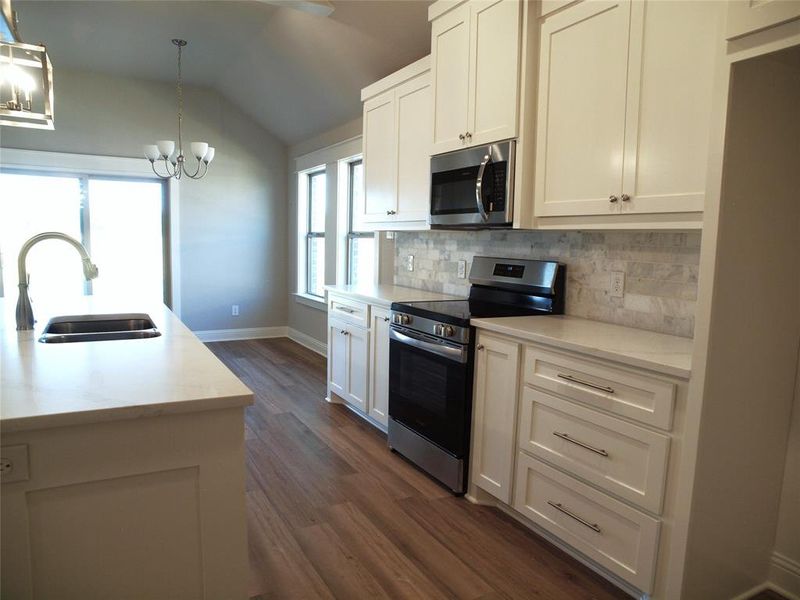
(660, 269)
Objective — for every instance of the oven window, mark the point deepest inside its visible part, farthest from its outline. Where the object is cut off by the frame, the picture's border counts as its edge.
(453, 192)
(431, 395)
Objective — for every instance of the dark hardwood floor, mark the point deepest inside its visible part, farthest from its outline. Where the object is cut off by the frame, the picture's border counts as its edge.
(333, 514)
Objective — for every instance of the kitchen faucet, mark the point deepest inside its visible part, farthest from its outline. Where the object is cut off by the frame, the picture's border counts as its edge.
(24, 310)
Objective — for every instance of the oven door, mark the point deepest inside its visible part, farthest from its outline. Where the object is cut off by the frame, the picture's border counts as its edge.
(473, 187)
(430, 388)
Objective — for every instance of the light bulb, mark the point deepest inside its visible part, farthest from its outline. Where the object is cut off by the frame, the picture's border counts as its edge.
(209, 155)
(151, 152)
(199, 149)
(166, 148)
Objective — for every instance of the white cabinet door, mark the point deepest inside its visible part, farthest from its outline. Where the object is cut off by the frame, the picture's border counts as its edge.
(450, 53)
(749, 16)
(380, 158)
(672, 51)
(379, 366)
(494, 70)
(337, 358)
(494, 415)
(581, 114)
(357, 367)
(414, 124)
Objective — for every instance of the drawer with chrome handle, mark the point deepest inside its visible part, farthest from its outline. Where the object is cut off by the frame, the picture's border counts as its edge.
(349, 310)
(609, 532)
(622, 391)
(619, 457)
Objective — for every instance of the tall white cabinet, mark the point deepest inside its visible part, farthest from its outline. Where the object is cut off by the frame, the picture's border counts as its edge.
(397, 137)
(475, 52)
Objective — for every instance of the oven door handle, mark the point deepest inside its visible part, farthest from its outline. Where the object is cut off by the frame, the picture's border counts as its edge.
(451, 352)
(479, 185)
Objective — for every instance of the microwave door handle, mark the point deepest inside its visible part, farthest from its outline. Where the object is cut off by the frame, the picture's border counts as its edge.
(479, 184)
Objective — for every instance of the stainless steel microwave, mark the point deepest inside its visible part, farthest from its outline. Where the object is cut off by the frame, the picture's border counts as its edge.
(473, 187)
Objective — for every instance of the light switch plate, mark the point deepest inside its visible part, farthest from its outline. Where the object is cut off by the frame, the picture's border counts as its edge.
(14, 463)
(462, 269)
(234, 310)
(410, 262)
(617, 284)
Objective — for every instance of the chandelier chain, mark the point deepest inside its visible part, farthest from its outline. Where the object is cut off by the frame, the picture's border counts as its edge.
(180, 103)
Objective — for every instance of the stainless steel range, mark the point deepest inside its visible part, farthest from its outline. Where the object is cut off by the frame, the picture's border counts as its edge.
(431, 353)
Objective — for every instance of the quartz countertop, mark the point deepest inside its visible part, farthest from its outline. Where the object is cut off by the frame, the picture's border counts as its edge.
(53, 385)
(667, 354)
(384, 295)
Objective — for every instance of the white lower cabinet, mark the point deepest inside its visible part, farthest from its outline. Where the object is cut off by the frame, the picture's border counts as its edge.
(578, 446)
(358, 356)
(348, 348)
(379, 366)
(494, 414)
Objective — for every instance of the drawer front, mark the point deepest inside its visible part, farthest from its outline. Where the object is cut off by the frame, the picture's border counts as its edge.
(349, 310)
(633, 395)
(614, 535)
(624, 459)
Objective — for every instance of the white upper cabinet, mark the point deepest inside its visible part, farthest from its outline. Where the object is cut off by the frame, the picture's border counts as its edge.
(749, 16)
(397, 148)
(475, 51)
(624, 108)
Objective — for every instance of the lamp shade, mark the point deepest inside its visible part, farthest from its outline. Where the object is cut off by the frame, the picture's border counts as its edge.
(166, 147)
(209, 155)
(151, 152)
(199, 149)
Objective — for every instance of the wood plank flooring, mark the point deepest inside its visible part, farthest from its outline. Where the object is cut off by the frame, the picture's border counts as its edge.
(333, 514)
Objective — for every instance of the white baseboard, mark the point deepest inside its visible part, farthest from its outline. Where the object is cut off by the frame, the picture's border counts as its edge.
(251, 333)
(784, 576)
(309, 342)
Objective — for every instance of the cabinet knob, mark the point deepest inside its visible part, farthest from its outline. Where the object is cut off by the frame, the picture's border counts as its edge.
(391, 212)
(385, 319)
(625, 198)
(462, 137)
(479, 347)
(469, 135)
(613, 199)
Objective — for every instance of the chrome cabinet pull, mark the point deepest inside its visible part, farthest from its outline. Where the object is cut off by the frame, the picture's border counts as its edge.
(613, 199)
(345, 309)
(573, 379)
(569, 513)
(566, 436)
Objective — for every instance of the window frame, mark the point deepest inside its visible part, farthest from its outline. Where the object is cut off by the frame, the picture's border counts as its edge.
(351, 233)
(310, 234)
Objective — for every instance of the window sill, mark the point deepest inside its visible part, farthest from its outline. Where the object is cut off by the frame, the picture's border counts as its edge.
(311, 301)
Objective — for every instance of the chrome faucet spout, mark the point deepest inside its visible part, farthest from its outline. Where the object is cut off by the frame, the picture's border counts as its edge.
(25, 318)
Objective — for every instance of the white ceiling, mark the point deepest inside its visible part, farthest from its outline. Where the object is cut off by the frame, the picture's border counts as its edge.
(296, 73)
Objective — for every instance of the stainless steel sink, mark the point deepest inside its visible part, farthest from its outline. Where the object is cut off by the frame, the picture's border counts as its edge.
(96, 328)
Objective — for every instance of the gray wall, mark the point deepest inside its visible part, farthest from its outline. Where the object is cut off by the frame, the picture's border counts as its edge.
(232, 222)
(302, 318)
(660, 269)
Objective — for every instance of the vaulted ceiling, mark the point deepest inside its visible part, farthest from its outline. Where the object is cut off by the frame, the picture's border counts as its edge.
(296, 73)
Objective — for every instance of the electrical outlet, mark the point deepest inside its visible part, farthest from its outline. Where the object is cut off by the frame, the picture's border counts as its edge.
(462, 269)
(234, 310)
(390, 235)
(617, 284)
(14, 463)
(410, 262)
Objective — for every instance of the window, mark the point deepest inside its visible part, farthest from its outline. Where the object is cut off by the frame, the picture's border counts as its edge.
(96, 211)
(360, 244)
(315, 234)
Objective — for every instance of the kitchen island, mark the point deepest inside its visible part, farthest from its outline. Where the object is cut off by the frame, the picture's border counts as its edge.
(123, 463)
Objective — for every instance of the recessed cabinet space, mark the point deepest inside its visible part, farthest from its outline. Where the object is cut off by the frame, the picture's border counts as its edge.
(625, 96)
(475, 53)
(397, 135)
(494, 415)
(348, 350)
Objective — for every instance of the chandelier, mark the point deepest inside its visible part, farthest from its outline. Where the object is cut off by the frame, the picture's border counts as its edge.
(175, 163)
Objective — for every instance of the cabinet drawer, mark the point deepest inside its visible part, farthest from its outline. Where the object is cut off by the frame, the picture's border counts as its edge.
(349, 310)
(625, 459)
(633, 395)
(616, 536)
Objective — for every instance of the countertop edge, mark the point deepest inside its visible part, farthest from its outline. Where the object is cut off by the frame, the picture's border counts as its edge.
(370, 298)
(625, 359)
(123, 413)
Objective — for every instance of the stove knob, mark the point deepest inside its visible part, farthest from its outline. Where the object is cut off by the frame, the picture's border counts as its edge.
(448, 330)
